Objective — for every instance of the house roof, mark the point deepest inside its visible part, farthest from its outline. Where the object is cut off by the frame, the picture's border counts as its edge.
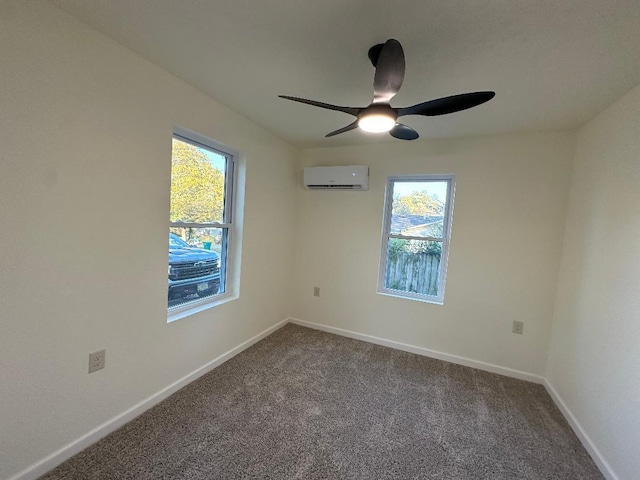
(400, 223)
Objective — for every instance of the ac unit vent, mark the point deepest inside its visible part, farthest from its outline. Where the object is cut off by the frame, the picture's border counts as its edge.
(334, 187)
(337, 178)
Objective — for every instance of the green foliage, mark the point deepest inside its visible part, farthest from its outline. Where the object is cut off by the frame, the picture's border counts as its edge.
(421, 246)
(430, 248)
(197, 187)
(417, 203)
(395, 248)
(398, 246)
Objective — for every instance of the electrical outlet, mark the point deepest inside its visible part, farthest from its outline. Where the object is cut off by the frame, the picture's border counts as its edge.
(96, 361)
(316, 291)
(518, 327)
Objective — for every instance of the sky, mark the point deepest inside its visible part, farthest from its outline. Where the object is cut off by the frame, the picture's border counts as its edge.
(216, 160)
(438, 189)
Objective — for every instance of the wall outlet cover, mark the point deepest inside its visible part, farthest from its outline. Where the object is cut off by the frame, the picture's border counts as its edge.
(97, 361)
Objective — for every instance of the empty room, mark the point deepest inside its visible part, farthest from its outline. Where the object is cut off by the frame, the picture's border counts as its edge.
(401, 240)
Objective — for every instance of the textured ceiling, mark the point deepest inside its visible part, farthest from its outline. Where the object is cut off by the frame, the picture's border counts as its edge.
(554, 64)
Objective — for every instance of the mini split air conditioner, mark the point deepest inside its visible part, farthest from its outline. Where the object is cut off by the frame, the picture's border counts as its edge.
(355, 177)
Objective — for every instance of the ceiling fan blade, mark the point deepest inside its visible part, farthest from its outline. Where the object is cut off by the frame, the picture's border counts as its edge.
(389, 71)
(343, 129)
(350, 110)
(443, 106)
(403, 132)
(374, 54)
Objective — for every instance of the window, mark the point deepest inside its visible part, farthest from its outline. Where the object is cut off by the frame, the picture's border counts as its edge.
(200, 220)
(415, 236)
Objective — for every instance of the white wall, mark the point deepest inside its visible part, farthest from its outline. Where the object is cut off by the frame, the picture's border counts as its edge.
(85, 143)
(594, 358)
(85, 138)
(508, 220)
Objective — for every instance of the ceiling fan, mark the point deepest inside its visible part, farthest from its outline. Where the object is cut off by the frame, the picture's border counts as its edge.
(388, 60)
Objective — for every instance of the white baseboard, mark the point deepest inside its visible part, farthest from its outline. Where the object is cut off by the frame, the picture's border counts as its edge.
(589, 446)
(597, 457)
(488, 367)
(56, 458)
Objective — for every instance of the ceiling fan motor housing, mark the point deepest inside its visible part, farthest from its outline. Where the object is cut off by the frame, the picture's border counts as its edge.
(377, 117)
(388, 60)
(383, 109)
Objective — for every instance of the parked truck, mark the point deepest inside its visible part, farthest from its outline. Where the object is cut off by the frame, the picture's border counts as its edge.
(193, 272)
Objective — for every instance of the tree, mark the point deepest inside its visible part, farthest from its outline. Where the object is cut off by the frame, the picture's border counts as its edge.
(418, 203)
(197, 187)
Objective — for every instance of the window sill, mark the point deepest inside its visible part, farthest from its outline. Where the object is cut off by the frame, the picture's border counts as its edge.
(182, 311)
(423, 299)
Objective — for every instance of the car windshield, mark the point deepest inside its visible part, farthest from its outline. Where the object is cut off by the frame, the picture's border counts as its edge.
(176, 242)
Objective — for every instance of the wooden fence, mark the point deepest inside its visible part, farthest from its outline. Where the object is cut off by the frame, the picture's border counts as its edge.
(413, 272)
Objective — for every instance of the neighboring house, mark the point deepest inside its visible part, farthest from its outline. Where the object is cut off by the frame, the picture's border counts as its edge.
(417, 225)
(431, 229)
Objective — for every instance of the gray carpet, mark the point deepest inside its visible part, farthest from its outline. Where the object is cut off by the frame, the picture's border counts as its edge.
(310, 405)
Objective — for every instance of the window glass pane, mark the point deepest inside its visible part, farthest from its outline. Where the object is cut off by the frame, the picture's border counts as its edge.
(413, 266)
(195, 263)
(197, 183)
(418, 208)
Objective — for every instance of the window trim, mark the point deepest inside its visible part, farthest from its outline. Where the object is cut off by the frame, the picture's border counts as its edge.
(230, 250)
(446, 238)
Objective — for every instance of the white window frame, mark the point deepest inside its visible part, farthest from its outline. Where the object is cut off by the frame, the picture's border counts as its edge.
(229, 251)
(386, 235)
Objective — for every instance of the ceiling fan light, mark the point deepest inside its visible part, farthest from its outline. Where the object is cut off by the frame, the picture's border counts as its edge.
(376, 123)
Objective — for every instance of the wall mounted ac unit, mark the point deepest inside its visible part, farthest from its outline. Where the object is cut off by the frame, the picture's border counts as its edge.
(354, 177)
